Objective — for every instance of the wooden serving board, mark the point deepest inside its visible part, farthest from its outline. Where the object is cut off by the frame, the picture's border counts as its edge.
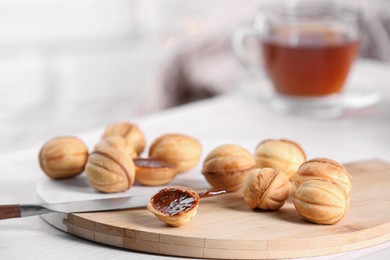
(225, 227)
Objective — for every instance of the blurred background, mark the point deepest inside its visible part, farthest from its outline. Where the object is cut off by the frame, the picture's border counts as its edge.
(72, 65)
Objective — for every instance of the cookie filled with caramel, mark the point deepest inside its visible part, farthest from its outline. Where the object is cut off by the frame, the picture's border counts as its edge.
(174, 205)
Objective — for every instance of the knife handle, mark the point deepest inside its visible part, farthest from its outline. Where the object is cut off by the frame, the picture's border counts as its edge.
(9, 211)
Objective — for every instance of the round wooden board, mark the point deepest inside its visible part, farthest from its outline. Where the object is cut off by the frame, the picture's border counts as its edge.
(225, 227)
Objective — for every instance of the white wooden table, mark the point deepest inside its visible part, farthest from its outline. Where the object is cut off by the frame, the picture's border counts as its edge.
(232, 118)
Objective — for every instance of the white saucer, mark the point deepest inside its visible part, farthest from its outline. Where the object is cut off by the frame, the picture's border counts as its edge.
(354, 97)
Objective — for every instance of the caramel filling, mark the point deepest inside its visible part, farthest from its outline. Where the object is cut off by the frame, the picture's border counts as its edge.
(173, 201)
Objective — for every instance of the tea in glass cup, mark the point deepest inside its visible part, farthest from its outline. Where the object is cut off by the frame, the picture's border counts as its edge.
(306, 49)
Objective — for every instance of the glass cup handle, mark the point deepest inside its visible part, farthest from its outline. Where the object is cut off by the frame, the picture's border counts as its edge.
(239, 37)
(254, 68)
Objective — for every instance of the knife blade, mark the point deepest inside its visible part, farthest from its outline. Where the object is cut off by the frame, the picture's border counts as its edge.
(26, 210)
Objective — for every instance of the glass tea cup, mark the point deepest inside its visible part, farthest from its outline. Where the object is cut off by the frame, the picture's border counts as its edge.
(306, 49)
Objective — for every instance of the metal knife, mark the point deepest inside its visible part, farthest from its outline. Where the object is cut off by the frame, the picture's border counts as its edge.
(27, 210)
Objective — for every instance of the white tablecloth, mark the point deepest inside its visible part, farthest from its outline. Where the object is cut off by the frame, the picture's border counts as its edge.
(232, 118)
